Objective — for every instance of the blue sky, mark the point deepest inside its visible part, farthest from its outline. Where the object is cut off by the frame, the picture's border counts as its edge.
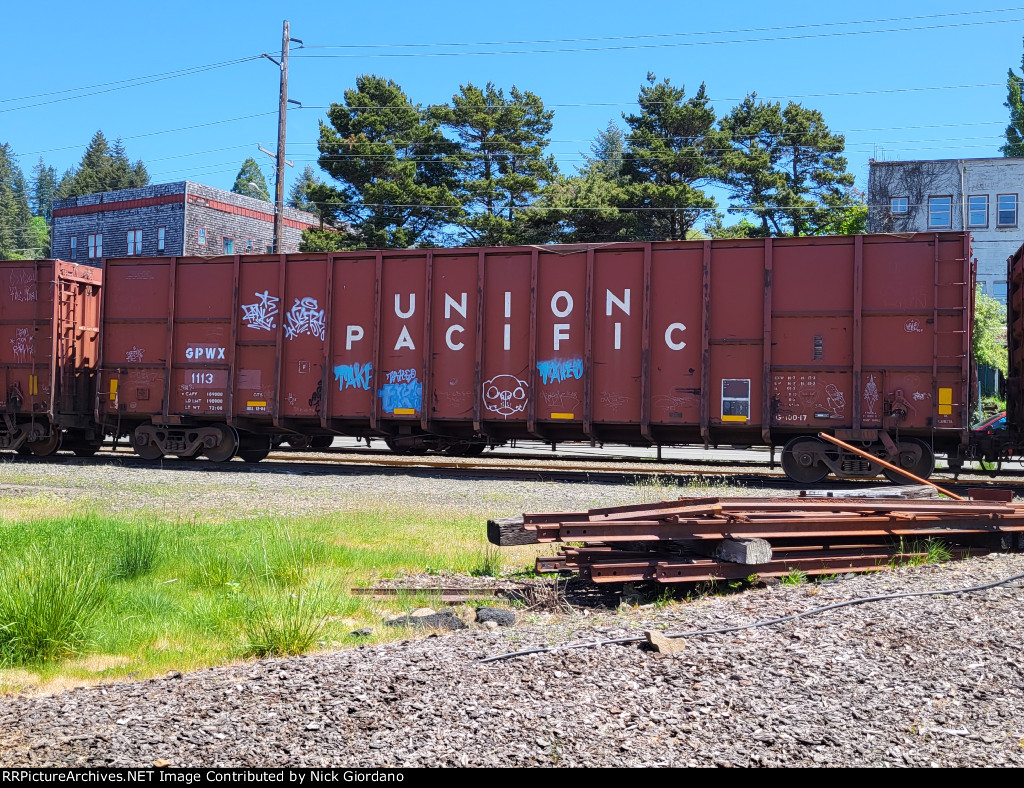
(912, 80)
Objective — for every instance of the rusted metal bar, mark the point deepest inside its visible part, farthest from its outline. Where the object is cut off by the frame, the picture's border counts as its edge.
(884, 464)
(866, 527)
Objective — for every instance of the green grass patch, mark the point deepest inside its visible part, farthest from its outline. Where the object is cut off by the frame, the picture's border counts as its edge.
(48, 602)
(111, 596)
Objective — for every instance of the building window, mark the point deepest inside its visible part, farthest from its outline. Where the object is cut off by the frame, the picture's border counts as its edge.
(74, 247)
(999, 291)
(202, 236)
(940, 211)
(229, 246)
(248, 245)
(977, 210)
(134, 242)
(161, 233)
(96, 246)
(270, 250)
(899, 205)
(1007, 211)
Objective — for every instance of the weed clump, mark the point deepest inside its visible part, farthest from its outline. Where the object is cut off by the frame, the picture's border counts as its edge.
(137, 554)
(794, 577)
(47, 604)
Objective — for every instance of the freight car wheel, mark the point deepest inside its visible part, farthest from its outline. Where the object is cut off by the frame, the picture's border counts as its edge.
(397, 447)
(149, 452)
(255, 447)
(46, 447)
(915, 456)
(799, 460)
(227, 447)
(84, 448)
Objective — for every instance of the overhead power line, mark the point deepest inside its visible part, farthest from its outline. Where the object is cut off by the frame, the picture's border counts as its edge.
(121, 85)
(689, 34)
(672, 45)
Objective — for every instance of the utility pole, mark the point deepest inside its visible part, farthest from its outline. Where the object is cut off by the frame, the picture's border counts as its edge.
(282, 119)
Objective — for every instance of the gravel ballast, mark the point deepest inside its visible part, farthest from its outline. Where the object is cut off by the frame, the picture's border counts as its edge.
(934, 680)
(930, 680)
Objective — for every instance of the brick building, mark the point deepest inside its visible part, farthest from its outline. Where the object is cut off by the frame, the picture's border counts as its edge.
(170, 219)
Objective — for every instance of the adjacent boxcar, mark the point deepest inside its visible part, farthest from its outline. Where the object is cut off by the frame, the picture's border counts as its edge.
(49, 354)
(765, 341)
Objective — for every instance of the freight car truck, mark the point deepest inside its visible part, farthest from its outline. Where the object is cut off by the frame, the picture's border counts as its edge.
(766, 341)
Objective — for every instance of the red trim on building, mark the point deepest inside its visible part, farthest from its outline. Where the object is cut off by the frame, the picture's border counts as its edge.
(237, 210)
(122, 205)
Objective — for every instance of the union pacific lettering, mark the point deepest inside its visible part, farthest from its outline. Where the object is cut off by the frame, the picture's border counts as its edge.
(561, 305)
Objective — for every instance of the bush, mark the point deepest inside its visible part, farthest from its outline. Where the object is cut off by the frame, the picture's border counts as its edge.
(46, 606)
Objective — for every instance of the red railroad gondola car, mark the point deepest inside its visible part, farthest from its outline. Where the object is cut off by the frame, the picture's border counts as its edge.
(49, 354)
(766, 341)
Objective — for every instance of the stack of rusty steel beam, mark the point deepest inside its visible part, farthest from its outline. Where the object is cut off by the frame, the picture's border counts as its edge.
(698, 539)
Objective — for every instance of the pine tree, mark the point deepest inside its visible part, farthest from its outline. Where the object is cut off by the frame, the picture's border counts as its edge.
(1015, 103)
(250, 181)
(394, 170)
(586, 208)
(609, 152)
(44, 190)
(16, 237)
(784, 166)
(299, 196)
(502, 166)
(102, 169)
(671, 152)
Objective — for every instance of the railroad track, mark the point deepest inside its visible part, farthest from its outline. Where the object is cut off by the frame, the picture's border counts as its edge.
(534, 467)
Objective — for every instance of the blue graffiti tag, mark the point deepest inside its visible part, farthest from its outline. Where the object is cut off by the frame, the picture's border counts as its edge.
(406, 392)
(557, 371)
(353, 376)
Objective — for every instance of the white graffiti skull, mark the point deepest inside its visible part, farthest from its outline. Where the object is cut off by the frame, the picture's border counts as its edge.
(505, 395)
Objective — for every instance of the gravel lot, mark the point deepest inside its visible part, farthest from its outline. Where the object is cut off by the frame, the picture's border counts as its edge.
(931, 680)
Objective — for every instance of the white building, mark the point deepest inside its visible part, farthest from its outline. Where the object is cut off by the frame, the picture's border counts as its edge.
(979, 195)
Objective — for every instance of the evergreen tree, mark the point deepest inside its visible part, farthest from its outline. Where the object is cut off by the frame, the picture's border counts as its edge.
(394, 169)
(16, 237)
(44, 190)
(609, 153)
(250, 181)
(102, 169)
(502, 167)
(1015, 103)
(671, 151)
(586, 208)
(784, 166)
(122, 174)
(299, 197)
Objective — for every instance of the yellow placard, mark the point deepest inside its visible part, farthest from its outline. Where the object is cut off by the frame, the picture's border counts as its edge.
(563, 415)
(256, 404)
(404, 411)
(113, 389)
(945, 401)
(33, 384)
(733, 418)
